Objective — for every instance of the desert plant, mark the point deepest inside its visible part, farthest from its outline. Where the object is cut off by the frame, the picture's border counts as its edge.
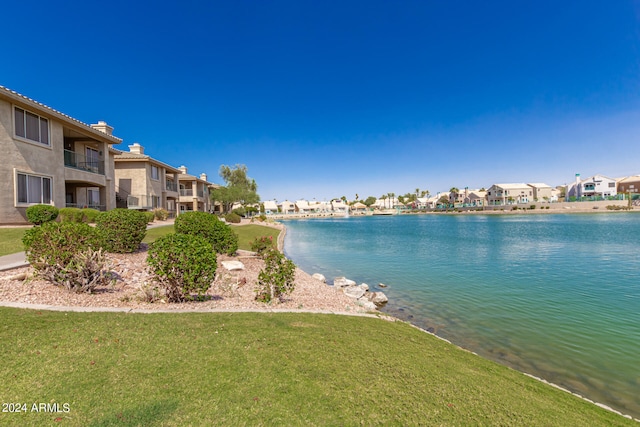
(532, 207)
(277, 278)
(39, 214)
(182, 264)
(66, 254)
(90, 215)
(71, 215)
(121, 230)
(233, 218)
(161, 214)
(262, 244)
(205, 225)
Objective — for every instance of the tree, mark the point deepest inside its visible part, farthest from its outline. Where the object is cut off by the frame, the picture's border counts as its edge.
(238, 189)
(370, 200)
(454, 191)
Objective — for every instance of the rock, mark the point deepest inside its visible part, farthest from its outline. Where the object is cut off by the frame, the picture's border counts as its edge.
(368, 305)
(20, 276)
(343, 282)
(354, 291)
(382, 285)
(319, 277)
(233, 265)
(378, 298)
(364, 286)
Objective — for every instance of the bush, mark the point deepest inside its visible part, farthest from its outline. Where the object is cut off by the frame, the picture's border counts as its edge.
(150, 216)
(39, 214)
(263, 217)
(239, 211)
(65, 254)
(261, 244)
(121, 230)
(90, 215)
(182, 264)
(277, 278)
(161, 214)
(532, 207)
(71, 215)
(233, 218)
(205, 225)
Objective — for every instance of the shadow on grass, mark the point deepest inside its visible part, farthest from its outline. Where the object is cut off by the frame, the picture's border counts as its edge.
(149, 414)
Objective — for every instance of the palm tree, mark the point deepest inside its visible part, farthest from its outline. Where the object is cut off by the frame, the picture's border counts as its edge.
(454, 191)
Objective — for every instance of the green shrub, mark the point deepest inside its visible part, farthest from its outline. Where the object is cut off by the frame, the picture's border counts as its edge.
(65, 254)
(39, 214)
(150, 216)
(161, 214)
(121, 230)
(182, 264)
(277, 278)
(233, 218)
(263, 217)
(90, 215)
(240, 211)
(205, 225)
(261, 244)
(532, 207)
(71, 215)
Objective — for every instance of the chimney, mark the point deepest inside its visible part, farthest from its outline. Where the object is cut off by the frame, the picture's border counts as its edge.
(183, 169)
(136, 148)
(203, 176)
(103, 127)
(578, 188)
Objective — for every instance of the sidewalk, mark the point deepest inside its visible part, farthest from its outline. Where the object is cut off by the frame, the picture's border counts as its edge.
(17, 260)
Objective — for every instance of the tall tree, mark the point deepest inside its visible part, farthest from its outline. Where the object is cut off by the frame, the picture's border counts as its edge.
(454, 191)
(239, 188)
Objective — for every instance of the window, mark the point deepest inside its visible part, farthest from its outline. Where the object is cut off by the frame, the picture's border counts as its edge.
(33, 189)
(612, 184)
(93, 197)
(31, 126)
(155, 173)
(155, 202)
(93, 160)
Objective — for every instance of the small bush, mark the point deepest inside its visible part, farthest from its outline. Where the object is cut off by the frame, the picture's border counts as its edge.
(65, 254)
(263, 217)
(71, 215)
(219, 234)
(240, 211)
(90, 215)
(277, 278)
(262, 244)
(39, 214)
(161, 214)
(121, 230)
(182, 264)
(532, 207)
(233, 218)
(515, 208)
(150, 216)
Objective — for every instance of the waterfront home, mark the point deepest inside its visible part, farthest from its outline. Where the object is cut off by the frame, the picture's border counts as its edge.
(595, 187)
(144, 183)
(302, 206)
(338, 206)
(287, 207)
(49, 157)
(543, 192)
(508, 194)
(194, 192)
(630, 184)
(270, 207)
(358, 207)
(320, 207)
(475, 198)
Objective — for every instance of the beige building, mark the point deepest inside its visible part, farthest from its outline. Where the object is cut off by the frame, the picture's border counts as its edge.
(630, 184)
(144, 183)
(194, 192)
(509, 194)
(543, 192)
(49, 157)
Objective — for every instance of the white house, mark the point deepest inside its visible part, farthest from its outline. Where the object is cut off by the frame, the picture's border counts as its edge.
(270, 207)
(596, 186)
(509, 194)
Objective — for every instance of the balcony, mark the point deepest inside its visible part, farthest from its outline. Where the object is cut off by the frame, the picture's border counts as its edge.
(143, 202)
(172, 186)
(80, 162)
(186, 192)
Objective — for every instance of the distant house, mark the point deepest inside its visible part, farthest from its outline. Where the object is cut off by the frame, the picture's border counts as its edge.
(270, 207)
(287, 207)
(475, 198)
(509, 194)
(630, 184)
(194, 192)
(144, 183)
(542, 192)
(51, 158)
(595, 187)
(358, 207)
(339, 206)
(302, 206)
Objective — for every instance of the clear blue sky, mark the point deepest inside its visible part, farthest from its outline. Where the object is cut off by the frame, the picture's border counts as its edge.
(329, 98)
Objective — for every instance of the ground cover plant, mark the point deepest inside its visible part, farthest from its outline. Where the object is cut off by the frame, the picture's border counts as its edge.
(247, 234)
(261, 369)
(11, 240)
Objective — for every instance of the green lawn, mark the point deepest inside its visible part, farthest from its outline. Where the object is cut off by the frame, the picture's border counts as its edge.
(261, 369)
(11, 240)
(246, 234)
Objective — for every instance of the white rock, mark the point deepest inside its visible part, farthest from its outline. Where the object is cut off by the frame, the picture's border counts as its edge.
(354, 291)
(378, 298)
(342, 282)
(233, 265)
(319, 277)
(368, 305)
(364, 286)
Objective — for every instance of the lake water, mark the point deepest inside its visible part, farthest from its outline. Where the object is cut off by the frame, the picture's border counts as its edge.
(556, 296)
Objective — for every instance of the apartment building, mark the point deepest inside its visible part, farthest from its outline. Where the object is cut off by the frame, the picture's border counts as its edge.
(194, 192)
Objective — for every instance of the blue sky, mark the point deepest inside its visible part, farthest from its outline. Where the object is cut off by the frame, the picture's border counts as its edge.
(322, 99)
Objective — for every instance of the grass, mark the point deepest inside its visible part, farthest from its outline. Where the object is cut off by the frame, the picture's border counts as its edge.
(11, 240)
(262, 369)
(246, 234)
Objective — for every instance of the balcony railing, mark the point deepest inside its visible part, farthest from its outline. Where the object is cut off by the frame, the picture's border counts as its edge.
(186, 192)
(80, 161)
(142, 202)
